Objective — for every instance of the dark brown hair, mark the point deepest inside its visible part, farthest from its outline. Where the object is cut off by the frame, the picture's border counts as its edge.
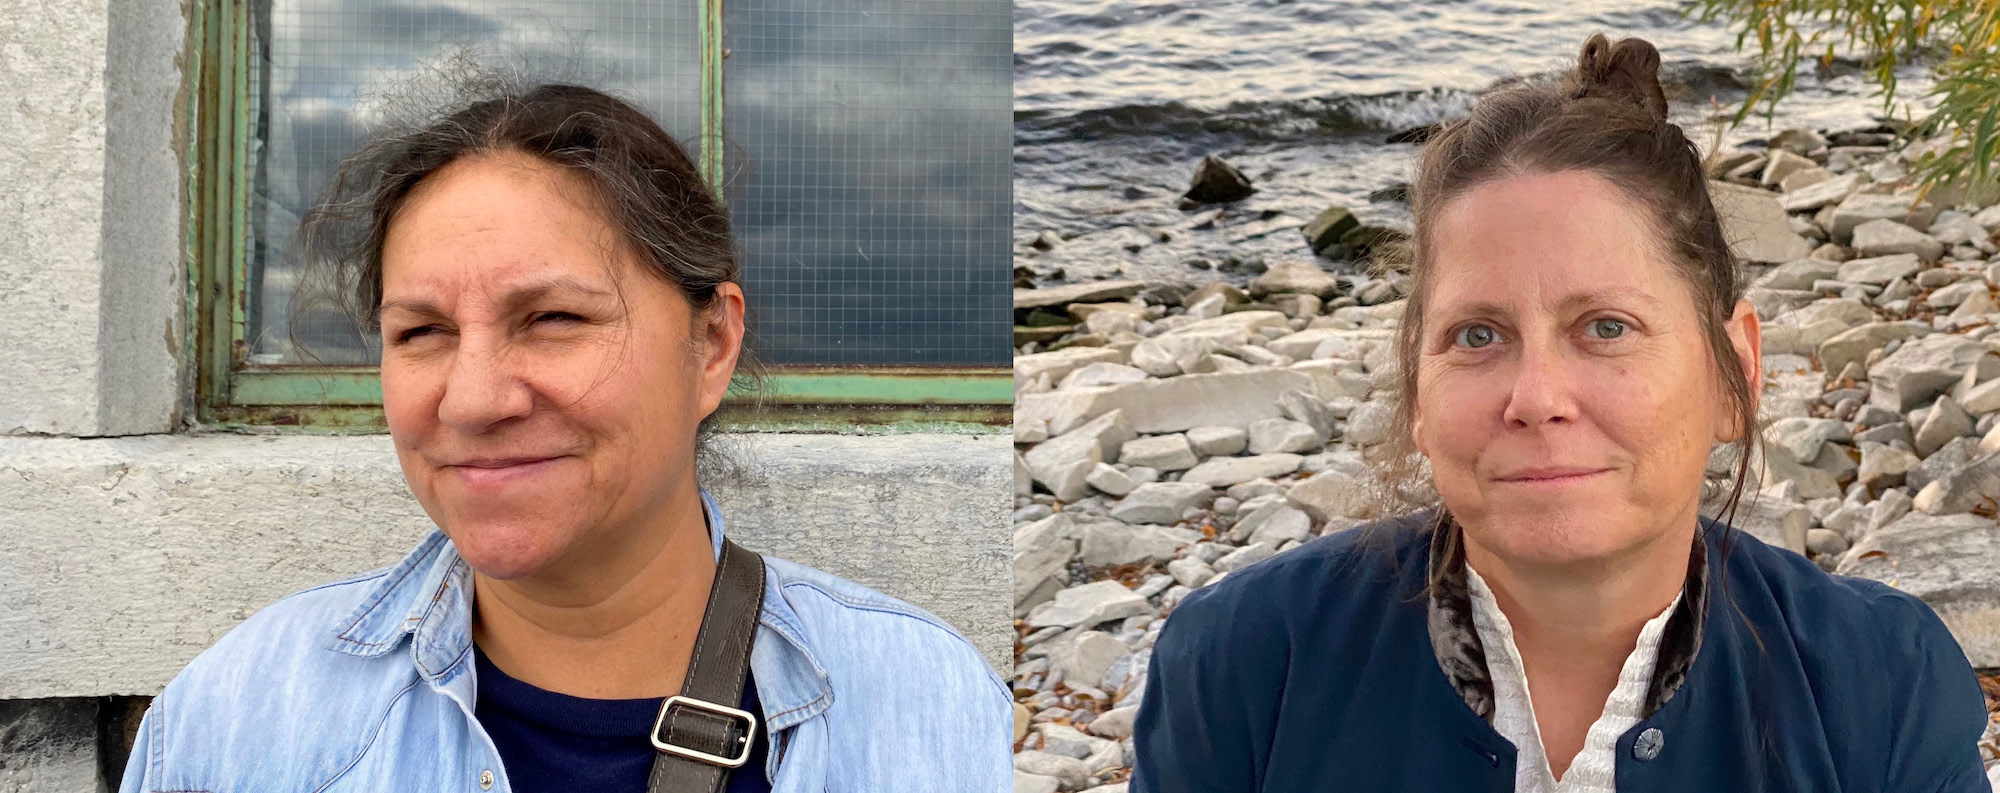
(642, 177)
(1607, 117)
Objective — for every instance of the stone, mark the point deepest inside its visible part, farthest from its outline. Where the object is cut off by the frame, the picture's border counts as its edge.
(1803, 178)
(1331, 494)
(1958, 228)
(1164, 452)
(1952, 456)
(1042, 551)
(1801, 438)
(1779, 523)
(1826, 542)
(1088, 292)
(1172, 353)
(1860, 208)
(1212, 441)
(1953, 295)
(1781, 164)
(1226, 398)
(1326, 229)
(1920, 370)
(1983, 398)
(1883, 466)
(1945, 561)
(1880, 270)
(1060, 363)
(1799, 141)
(1116, 723)
(1217, 182)
(1102, 373)
(1273, 521)
(1069, 772)
(1108, 479)
(1091, 604)
(1244, 557)
(1283, 435)
(1944, 422)
(1853, 345)
(1799, 274)
(1311, 411)
(1162, 502)
(1084, 659)
(1370, 423)
(1055, 462)
(1227, 471)
(1109, 543)
(1888, 237)
(1822, 194)
(1294, 277)
(1754, 223)
(1969, 487)
(1190, 572)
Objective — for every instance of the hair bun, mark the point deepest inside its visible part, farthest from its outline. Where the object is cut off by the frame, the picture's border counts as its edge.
(1628, 71)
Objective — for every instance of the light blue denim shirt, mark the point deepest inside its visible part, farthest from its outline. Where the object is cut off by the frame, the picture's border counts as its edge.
(366, 684)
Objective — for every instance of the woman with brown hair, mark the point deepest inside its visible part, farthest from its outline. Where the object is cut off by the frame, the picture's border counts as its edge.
(1562, 616)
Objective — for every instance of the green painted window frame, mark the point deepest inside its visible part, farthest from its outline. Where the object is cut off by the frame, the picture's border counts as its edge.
(231, 393)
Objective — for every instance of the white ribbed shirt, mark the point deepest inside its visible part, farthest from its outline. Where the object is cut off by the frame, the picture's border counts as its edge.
(1594, 769)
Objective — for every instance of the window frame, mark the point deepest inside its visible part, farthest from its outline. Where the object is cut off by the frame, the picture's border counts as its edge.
(231, 393)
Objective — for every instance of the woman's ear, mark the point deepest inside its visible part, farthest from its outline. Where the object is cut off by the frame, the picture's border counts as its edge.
(1746, 336)
(721, 326)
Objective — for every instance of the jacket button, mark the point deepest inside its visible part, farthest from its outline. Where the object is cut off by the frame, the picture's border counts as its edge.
(1648, 745)
(486, 779)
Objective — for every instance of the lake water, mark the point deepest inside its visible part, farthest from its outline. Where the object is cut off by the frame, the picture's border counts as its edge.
(1116, 100)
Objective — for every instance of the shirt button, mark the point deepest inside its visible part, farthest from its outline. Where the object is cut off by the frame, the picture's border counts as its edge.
(1648, 745)
(486, 779)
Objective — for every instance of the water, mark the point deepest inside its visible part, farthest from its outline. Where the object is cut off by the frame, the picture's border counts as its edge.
(1116, 100)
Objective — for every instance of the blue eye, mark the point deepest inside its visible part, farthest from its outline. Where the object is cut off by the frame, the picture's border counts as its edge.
(1475, 336)
(1607, 328)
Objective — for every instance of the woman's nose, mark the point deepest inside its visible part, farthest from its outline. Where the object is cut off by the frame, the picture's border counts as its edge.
(482, 388)
(1543, 388)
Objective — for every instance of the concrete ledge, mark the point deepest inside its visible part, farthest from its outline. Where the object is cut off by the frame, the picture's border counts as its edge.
(124, 557)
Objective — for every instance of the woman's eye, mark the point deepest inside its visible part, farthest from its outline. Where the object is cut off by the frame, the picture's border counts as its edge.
(1475, 336)
(558, 316)
(415, 332)
(1607, 328)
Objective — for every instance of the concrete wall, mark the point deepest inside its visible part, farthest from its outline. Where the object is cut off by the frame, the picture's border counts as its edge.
(130, 539)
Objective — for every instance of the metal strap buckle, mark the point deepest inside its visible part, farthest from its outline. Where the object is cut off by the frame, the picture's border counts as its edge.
(743, 752)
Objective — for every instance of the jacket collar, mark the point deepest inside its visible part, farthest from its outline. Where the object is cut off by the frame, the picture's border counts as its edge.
(428, 596)
(1462, 655)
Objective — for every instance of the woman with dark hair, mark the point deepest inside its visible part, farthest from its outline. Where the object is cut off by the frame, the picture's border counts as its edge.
(1561, 616)
(555, 288)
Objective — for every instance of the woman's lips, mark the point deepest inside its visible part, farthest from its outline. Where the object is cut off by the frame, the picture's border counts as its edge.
(497, 474)
(1540, 480)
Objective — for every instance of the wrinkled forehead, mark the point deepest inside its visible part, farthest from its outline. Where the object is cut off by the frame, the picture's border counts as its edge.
(1547, 240)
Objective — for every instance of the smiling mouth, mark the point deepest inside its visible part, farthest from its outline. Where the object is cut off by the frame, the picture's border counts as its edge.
(1553, 479)
(489, 473)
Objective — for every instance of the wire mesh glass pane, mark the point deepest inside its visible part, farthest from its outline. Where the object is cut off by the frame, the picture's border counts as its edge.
(315, 65)
(869, 146)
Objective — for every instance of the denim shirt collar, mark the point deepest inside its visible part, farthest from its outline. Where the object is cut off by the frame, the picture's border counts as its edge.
(428, 595)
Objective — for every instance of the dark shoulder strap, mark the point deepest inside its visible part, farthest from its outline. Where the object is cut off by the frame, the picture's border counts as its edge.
(701, 734)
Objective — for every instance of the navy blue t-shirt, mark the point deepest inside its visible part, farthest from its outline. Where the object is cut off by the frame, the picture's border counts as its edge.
(556, 742)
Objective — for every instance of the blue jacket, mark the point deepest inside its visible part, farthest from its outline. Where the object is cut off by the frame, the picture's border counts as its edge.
(1315, 670)
(367, 685)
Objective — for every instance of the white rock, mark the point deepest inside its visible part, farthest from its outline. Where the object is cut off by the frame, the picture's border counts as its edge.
(1212, 441)
(1888, 237)
(1860, 208)
(1283, 435)
(1109, 543)
(1190, 572)
(1227, 471)
(1108, 479)
(1244, 557)
(1062, 463)
(1090, 604)
(1820, 194)
(1754, 223)
(1920, 370)
(1165, 452)
(1854, 344)
(1084, 659)
(1071, 772)
(1025, 782)
(1162, 502)
(1958, 228)
(1101, 373)
(1880, 269)
(1801, 438)
(1331, 494)
(1945, 421)
(1931, 557)
(1061, 362)
(1042, 551)
(1224, 398)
